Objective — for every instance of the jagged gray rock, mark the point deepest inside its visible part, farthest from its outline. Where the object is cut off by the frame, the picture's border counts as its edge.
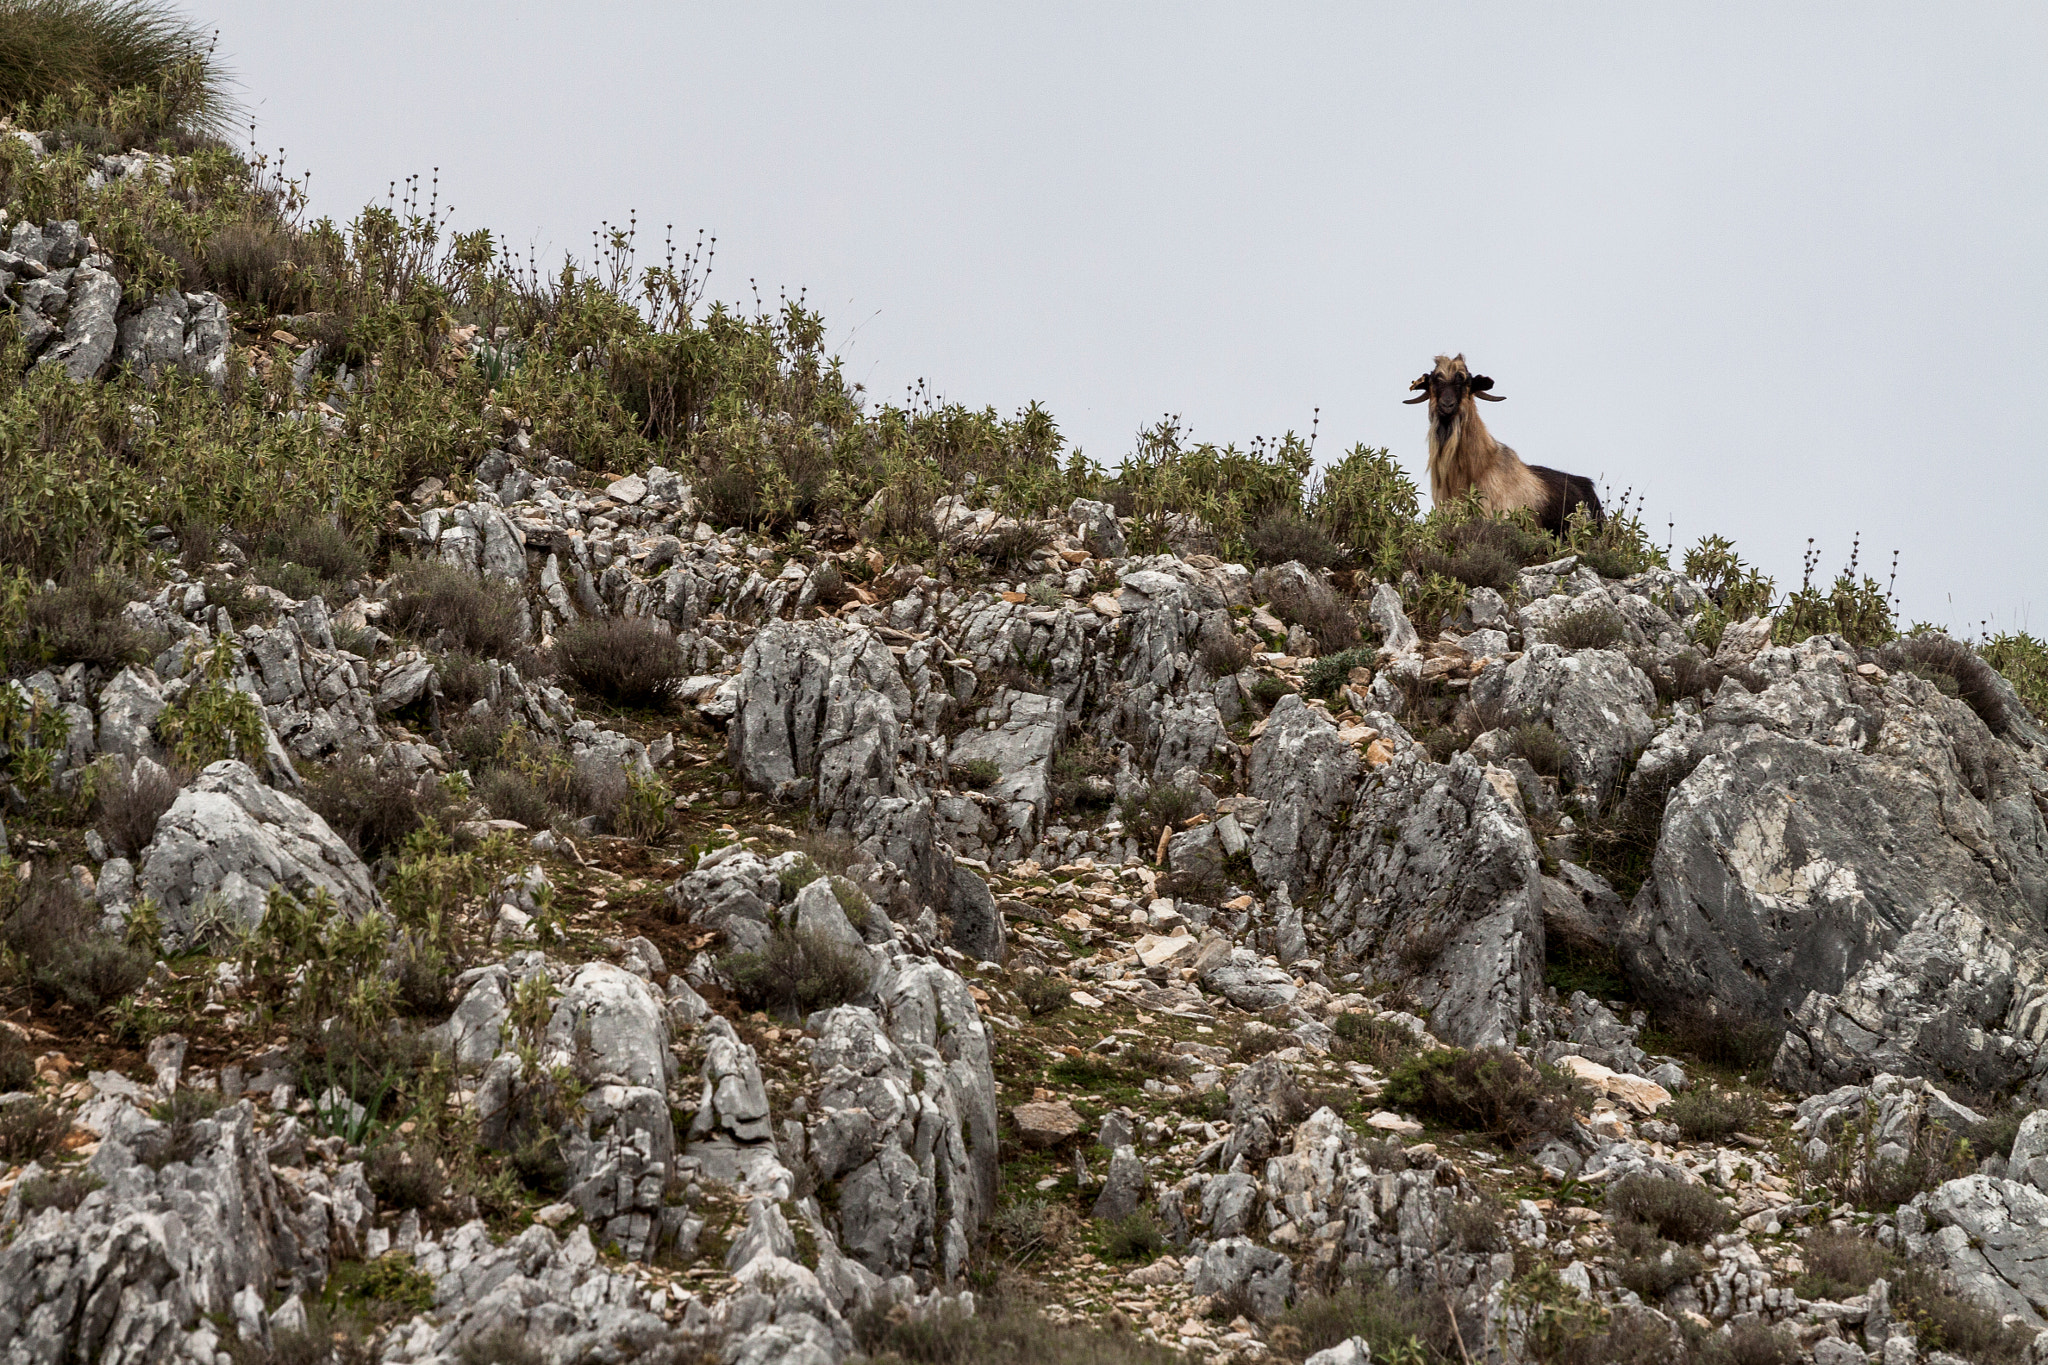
(228, 839)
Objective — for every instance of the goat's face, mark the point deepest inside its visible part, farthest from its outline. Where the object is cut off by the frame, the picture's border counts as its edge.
(1445, 388)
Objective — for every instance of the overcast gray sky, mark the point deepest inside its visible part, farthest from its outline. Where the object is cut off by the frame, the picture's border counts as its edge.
(1778, 268)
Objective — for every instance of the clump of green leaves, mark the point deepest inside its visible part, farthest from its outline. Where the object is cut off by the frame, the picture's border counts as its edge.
(1485, 1090)
(214, 719)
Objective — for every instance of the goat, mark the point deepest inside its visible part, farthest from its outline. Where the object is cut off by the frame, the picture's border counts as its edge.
(1463, 454)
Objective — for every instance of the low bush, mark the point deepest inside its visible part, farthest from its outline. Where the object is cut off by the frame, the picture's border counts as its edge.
(798, 972)
(1841, 1264)
(1651, 1265)
(978, 773)
(2024, 662)
(1331, 671)
(1268, 689)
(56, 948)
(80, 621)
(1223, 653)
(129, 798)
(462, 679)
(17, 1062)
(1376, 1042)
(1589, 627)
(1542, 747)
(1287, 535)
(1032, 1227)
(436, 602)
(1161, 808)
(1134, 1237)
(627, 660)
(502, 1346)
(326, 556)
(404, 1174)
(1705, 1113)
(1474, 1226)
(513, 795)
(30, 1129)
(1944, 1320)
(1000, 1332)
(1482, 552)
(1310, 603)
(374, 808)
(1081, 775)
(1860, 1171)
(1485, 1090)
(1750, 1343)
(1956, 669)
(1745, 1045)
(1397, 1325)
(63, 1189)
(1043, 995)
(1687, 1214)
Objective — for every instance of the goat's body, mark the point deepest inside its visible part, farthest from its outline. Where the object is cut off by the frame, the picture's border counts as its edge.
(1463, 455)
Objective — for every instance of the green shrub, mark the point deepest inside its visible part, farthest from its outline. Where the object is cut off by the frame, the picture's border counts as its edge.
(1161, 808)
(1707, 1114)
(1398, 1326)
(17, 1063)
(1541, 747)
(55, 948)
(513, 795)
(30, 1129)
(1485, 1090)
(1688, 1214)
(1480, 551)
(1857, 1172)
(1269, 688)
(1377, 1042)
(798, 972)
(1841, 1264)
(1367, 503)
(978, 773)
(2024, 662)
(999, 1333)
(1331, 671)
(462, 680)
(214, 719)
(1043, 995)
(1589, 627)
(1618, 547)
(1750, 1343)
(375, 809)
(1134, 1237)
(1951, 662)
(1856, 607)
(1287, 535)
(629, 660)
(1475, 1226)
(1223, 653)
(57, 49)
(1078, 773)
(1651, 1265)
(63, 1189)
(80, 621)
(436, 601)
(501, 1346)
(1739, 591)
(129, 798)
(1944, 1320)
(404, 1174)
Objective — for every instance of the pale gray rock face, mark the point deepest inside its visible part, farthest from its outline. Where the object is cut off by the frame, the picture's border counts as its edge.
(1598, 702)
(1436, 879)
(1233, 1264)
(89, 330)
(1028, 730)
(1871, 864)
(129, 707)
(1306, 775)
(153, 336)
(135, 1270)
(819, 702)
(229, 839)
(1098, 526)
(1991, 1235)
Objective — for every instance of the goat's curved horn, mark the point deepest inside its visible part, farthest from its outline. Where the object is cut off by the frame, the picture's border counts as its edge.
(1419, 398)
(1422, 383)
(1480, 384)
(1491, 397)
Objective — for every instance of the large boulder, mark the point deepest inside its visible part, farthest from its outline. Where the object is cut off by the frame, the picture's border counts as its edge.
(1436, 884)
(1306, 775)
(89, 329)
(1600, 704)
(1866, 862)
(147, 1265)
(1024, 731)
(820, 710)
(228, 840)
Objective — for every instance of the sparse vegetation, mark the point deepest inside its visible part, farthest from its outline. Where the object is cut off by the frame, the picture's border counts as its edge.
(1706, 1113)
(797, 972)
(629, 660)
(439, 604)
(1686, 1214)
(1592, 627)
(1485, 1090)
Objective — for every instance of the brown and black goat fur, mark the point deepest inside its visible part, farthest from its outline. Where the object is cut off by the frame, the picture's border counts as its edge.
(1463, 454)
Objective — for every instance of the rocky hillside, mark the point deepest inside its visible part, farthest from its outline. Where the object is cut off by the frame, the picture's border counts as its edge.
(562, 833)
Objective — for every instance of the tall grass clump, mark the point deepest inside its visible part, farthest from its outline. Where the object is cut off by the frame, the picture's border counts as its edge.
(59, 50)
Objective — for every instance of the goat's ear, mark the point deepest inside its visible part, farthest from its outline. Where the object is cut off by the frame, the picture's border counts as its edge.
(1480, 383)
